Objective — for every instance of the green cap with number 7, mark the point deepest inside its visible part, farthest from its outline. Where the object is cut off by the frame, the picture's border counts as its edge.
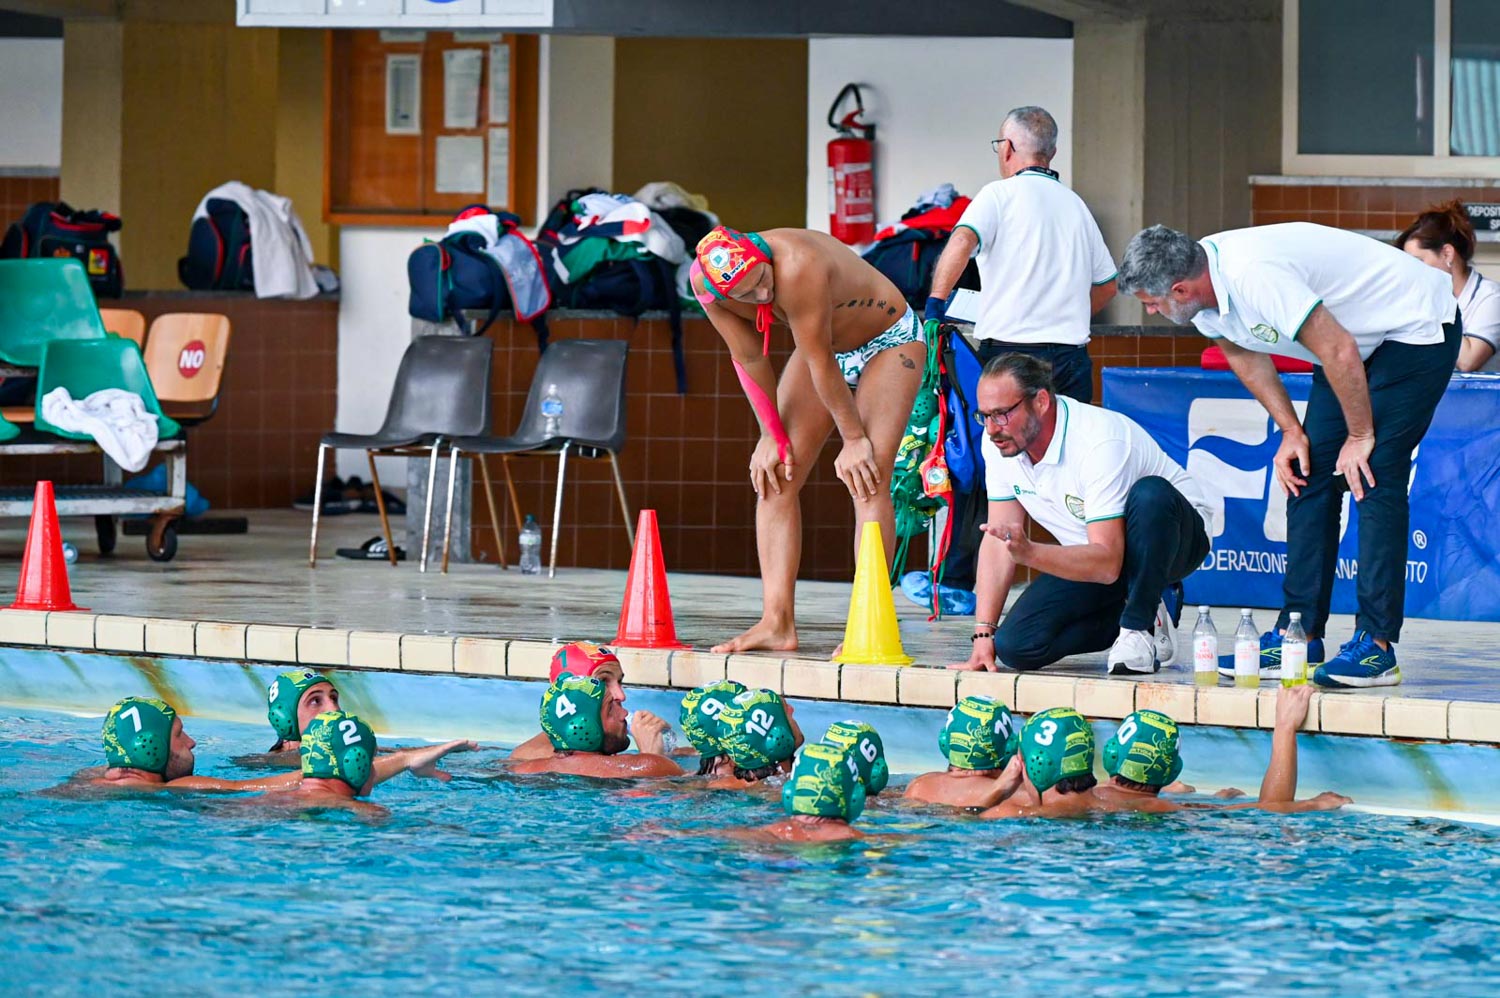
(757, 730)
(570, 714)
(138, 734)
(1055, 744)
(338, 746)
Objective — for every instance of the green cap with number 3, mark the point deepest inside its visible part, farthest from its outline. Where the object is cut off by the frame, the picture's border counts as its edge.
(1055, 744)
(757, 731)
(570, 714)
(1144, 750)
(981, 733)
(338, 746)
(138, 734)
(863, 742)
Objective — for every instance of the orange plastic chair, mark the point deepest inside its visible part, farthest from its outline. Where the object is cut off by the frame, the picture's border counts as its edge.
(126, 323)
(185, 355)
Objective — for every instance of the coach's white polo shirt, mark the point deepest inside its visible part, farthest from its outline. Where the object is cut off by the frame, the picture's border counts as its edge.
(1096, 455)
(1269, 278)
(1040, 253)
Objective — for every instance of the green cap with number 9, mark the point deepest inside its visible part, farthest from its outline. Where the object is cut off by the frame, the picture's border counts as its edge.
(981, 733)
(1055, 744)
(700, 716)
(283, 696)
(338, 746)
(1144, 750)
(138, 734)
(864, 744)
(757, 731)
(570, 714)
(824, 783)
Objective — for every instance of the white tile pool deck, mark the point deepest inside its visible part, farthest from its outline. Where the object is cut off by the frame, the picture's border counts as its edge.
(253, 597)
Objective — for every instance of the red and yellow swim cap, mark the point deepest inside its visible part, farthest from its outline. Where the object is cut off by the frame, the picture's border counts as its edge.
(725, 257)
(580, 659)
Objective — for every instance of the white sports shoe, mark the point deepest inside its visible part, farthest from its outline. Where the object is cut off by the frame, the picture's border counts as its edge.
(1166, 636)
(1134, 652)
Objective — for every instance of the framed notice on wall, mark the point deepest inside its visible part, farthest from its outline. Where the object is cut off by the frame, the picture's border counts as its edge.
(419, 125)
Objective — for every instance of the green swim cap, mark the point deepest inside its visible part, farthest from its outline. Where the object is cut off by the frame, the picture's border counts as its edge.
(283, 696)
(757, 731)
(700, 717)
(338, 746)
(138, 734)
(571, 709)
(981, 733)
(1144, 749)
(1057, 743)
(825, 782)
(863, 743)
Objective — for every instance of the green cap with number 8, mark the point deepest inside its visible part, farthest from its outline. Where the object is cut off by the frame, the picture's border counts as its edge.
(700, 716)
(570, 714)
(1055, 744)
(338, 746)
(1144, 750)
(138, 734)
(981, 733)
(284, 695)
(864, 744)
(757, 731)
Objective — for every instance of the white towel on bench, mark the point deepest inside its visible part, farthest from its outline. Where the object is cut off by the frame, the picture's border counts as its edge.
(116, 419)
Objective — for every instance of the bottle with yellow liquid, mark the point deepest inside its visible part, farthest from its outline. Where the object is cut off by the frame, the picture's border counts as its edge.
(1205, 650)
(1294, 653)
(1247, 652)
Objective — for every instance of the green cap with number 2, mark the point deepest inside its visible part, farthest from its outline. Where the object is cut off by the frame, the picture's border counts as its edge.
(338, 746)
(981, 733)
(757, 731)
(1055, 744)
(571, 709)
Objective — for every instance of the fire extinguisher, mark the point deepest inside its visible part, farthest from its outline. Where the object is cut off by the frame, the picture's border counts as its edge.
(851, 172)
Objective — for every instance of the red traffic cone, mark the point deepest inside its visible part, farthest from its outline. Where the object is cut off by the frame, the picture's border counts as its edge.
(44, 571)
(646, 615)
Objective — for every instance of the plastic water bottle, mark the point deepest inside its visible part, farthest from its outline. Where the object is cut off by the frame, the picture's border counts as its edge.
(1205, 650)
(668, 738)
(70, 553)
(552, 411)
(1247, 652)
(531, 547)
(1294, 653)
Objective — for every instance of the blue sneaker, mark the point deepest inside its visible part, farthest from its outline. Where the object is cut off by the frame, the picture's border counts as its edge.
(918, 588)
(1360, 664)
(1270, 656)
(956, 602)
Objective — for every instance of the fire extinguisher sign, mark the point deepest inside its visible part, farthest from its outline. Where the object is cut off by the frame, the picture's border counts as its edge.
(851, 172)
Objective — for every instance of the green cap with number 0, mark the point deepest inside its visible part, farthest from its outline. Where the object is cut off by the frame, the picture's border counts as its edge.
(1144, 750)
(1055, 744)
(571, 713)
(138, 734)
(338, 746)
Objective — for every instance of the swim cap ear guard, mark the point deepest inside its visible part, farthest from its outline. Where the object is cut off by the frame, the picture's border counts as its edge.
(864, 746)
(700, 716)
(283, 697)
(571, 713)
(138, 735)
(338, 746)
(757, 731)
(1144, 750)
(581, 658)
(1057, 743)
(824, 783)
(981, 733)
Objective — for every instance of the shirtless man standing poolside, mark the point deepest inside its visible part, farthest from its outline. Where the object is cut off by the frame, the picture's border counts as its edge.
(857, 364)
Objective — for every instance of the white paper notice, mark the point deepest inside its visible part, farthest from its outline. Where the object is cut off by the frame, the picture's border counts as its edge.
(500, 166)
(403, 94)
(460, 164)
(499, 84)
(462, 71)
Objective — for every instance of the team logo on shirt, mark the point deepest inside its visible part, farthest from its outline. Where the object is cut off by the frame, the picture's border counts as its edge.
(1023, 492)
(1075, 506)
(1265, 333)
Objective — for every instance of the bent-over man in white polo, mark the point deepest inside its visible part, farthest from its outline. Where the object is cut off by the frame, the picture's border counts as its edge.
(1383, 332)
(1128, 519)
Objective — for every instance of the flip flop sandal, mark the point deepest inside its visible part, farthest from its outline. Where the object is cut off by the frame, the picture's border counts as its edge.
(373, 549)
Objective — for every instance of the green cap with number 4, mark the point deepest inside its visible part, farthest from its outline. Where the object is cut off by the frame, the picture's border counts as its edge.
(757, 731)
(1055, 744)
(981, 733)
(338, 746)
(138, 734)
(570, 714)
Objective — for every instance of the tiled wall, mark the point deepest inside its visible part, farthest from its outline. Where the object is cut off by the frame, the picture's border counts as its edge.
(19, 193)
(1379, 208)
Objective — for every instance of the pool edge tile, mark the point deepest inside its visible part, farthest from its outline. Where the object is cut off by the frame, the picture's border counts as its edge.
(531, 659)
(115, 632)
(71, 629)
(924, 686)
(1228, 707)
(426, 653)
(373, 650)
(323, 646)
(755, 671)
(814, 679)
(1412, 717)
(1000, 686)
(1034, 692)
(687, 669)
(1179, 701)
(868, 684)
(643, 666)
(213, 639)
(1351, 714)
(1105, 698)
(1471, 721)
(271, 643)
(1265, 708)
(23, 627)
(480, 656)
(170, 637)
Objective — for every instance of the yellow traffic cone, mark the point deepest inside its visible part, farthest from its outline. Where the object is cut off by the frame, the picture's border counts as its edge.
(871, 636)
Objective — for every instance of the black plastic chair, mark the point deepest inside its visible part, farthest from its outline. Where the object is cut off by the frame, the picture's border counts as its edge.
(590, 379)
(442, 391)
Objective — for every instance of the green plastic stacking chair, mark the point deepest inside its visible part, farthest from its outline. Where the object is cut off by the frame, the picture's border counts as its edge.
(44, 300)
(87, 366)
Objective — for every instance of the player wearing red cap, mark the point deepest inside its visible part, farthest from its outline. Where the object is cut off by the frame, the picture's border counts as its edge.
(584, 659)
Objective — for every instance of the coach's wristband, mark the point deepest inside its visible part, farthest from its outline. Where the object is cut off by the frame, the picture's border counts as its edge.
(937, 308)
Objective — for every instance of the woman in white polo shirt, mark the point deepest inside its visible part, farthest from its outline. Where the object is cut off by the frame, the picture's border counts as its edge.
(1442, 237)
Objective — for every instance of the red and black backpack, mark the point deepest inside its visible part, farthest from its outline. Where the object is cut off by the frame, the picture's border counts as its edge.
(218, 256)
(49, 229)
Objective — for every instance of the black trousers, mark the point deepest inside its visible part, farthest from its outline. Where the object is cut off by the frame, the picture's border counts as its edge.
(1406, 384)
(1054, 618)
(1073, 375)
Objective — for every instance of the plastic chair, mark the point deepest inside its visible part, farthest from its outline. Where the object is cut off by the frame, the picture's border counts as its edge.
(590, 379)
(442, 391)
(41, 301)
(185, 357)
(125, 323)
(87, 366)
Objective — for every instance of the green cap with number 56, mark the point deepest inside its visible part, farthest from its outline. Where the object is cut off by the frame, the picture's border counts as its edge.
(338, 746)
(570, 714)
(1055, 744)
(138, 734)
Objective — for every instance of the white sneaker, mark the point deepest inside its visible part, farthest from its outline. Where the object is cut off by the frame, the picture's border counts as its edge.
(1134, 652)
(1166, 636)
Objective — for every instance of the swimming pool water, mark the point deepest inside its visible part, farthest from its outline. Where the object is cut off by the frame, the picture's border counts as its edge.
(544, 885)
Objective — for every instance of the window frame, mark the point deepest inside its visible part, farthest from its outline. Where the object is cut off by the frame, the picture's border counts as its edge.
(1442, 163)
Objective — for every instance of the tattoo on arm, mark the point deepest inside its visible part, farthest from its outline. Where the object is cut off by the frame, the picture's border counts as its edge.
(908, 363)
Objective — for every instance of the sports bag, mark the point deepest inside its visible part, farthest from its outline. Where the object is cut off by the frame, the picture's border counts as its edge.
(630, 288)
(455, 274)
(908, 259)
(218, 255)
(49, 229)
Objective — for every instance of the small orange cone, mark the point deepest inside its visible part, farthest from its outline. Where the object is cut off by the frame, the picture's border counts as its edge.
(646, 614)
(871, 636)
(44, 571)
